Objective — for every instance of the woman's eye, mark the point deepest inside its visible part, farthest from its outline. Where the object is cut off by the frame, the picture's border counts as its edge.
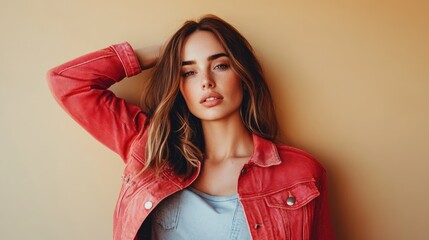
(221, 66)
(187, 74)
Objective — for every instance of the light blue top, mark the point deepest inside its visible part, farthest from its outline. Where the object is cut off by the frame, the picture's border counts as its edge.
(194, 215)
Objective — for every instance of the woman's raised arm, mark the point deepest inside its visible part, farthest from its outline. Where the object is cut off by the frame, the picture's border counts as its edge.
(81, 87)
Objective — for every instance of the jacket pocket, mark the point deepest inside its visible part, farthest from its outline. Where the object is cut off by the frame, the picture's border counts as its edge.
(295, 206)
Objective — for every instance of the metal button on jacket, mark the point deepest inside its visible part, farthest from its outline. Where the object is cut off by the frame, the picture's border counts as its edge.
(148, 205)
(290, 201)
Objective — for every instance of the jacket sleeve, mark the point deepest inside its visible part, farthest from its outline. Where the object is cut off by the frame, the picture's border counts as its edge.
(322, 228)
(81, 87)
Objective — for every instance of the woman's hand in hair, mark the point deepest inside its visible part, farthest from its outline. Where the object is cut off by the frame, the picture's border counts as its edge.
(148, 56)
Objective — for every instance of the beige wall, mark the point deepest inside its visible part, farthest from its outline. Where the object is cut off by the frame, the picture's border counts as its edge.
(349, 79)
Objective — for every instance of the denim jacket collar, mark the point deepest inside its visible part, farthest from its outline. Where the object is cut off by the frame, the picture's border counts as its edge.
(265, 152)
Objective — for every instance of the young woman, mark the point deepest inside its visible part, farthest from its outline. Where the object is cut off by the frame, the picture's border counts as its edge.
(199, 152)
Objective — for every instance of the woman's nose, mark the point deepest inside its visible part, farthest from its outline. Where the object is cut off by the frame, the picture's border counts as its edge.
(207, 82)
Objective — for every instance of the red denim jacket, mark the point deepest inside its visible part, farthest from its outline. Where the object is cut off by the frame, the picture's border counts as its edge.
(283, 190)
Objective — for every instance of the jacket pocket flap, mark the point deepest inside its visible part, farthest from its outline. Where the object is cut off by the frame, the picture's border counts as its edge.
(293, 197)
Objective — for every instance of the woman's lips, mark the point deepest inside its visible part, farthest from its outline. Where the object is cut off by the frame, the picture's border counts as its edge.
(212, 102)
(211, 99)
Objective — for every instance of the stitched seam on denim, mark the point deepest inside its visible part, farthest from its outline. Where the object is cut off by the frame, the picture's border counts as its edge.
(276, 191)
(120, 59)
(138, 136)
(127, 58)
(171, 180)
(83, 63)
(121, 198)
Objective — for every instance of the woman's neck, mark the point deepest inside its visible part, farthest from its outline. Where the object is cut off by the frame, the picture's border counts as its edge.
(227, 139)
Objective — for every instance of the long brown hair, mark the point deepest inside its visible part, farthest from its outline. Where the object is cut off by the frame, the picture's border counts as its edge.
(175, 136)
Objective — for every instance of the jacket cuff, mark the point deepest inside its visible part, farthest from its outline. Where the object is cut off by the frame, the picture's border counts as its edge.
(128, 58)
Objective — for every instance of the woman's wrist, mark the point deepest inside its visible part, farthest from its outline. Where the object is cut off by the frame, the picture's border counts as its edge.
(148, 56)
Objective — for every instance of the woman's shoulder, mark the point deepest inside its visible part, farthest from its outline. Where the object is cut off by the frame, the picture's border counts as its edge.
(298, 162)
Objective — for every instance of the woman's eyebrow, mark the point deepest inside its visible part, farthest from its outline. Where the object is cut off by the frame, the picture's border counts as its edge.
(215, 56)
(210, 58)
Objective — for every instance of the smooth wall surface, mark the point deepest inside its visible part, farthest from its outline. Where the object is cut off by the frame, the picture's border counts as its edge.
(350, 81)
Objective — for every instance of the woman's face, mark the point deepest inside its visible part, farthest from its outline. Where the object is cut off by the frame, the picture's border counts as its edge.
(210, 87)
